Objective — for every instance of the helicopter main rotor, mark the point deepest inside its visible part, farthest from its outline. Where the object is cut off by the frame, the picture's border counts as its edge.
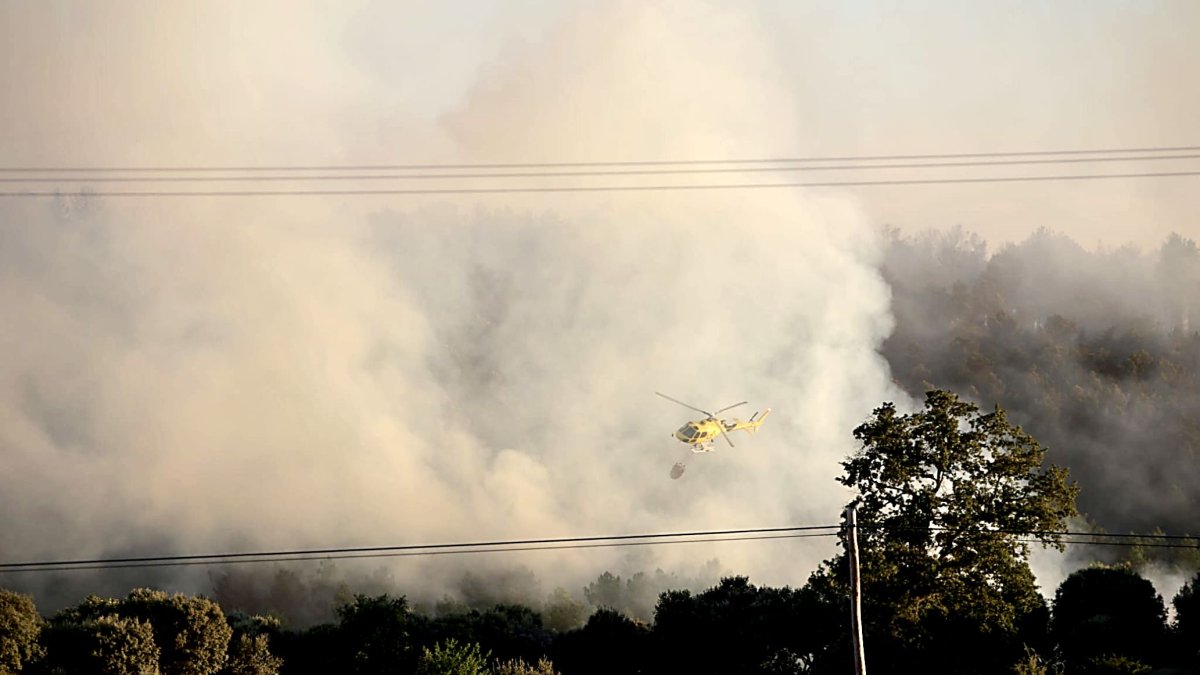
(711, 416)
(700, 410)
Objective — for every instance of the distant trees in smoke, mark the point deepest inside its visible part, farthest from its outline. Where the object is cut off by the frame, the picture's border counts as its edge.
(311, 595)
(1096, 353)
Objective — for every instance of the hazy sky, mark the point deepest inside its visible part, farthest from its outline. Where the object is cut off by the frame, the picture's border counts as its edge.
(221, 82)
(212, 373)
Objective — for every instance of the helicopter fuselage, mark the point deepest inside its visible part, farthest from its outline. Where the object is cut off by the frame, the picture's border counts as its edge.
(700, 433)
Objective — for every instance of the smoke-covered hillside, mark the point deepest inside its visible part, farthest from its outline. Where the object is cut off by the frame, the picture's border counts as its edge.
(1096, 353)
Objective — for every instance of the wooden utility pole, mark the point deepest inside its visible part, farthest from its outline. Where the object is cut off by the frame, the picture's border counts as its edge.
(850, 531)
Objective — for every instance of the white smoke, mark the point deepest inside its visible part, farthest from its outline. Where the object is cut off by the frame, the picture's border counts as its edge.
(193, 376)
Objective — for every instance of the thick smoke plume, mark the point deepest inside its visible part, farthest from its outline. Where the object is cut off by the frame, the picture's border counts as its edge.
(193, 377)
(1095, 352)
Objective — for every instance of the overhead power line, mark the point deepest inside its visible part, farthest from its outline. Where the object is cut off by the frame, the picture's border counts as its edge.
(559, 543)
(657, 162)
(1125, 544)
(91, 178)
(424, 549)
(1061, 533)
(1132, 540)
(407, 554)
(360, 192)
(1130, 544)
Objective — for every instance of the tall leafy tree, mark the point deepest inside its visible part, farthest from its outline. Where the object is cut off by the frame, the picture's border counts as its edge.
(191, 631)
(949, 498)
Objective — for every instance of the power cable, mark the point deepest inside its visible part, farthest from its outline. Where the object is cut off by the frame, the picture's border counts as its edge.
(532, 165)
(1063, 533)
(416, 549)
(561, 543)
(1126, 544)
(1129, 536)
(597, 188)
(406, 554)
(575, 174)
(1090, 538)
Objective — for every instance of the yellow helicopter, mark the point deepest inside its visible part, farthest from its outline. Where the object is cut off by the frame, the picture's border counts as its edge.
(700, 434)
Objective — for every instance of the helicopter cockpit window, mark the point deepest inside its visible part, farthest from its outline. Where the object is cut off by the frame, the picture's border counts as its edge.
(687, 431)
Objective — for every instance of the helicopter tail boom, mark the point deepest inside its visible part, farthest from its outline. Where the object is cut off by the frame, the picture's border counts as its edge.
(755, 421)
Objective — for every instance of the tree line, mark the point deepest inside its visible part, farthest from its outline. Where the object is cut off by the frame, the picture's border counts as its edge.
(1101, 620)
(950, 498)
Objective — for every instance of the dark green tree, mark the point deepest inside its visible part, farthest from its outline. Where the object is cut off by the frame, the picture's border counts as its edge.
(734, 627)
(826, 628)
(20, 627)
(1187, 620)
(379, 635)
(606, 591)
(507, 631)
(316, 650)
(637, 595)
(609, 642)
(948, 499)
(513, 632)
(1108, 615)
(563, 612)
